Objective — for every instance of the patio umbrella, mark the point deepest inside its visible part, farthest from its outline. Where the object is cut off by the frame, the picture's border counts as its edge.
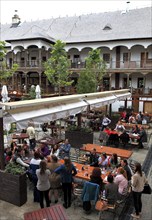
(4, 94)
(38, 92)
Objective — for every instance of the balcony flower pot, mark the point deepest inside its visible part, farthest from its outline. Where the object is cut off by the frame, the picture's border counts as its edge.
(13, 186)
(79, 136)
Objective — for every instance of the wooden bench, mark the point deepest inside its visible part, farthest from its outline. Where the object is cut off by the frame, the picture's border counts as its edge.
(55, 212)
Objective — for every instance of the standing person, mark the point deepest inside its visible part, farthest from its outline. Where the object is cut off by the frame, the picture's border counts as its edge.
(43, 184)
(127, 168)
(105, 122)
(67, 171)
(55, 179)
(138, 181)
(31, 133)
(65, 149)
(34, 165)
(142, 137)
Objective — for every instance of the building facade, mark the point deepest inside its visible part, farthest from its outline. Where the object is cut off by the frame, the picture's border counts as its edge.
(125, 40)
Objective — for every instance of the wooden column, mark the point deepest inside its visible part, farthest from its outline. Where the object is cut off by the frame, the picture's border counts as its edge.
(2, 162)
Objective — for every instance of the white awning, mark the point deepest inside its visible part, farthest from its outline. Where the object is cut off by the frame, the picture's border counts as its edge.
(46, 114)
(51, 109)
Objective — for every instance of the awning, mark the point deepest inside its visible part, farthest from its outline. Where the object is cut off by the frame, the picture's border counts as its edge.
(46, 114)
(51, 109)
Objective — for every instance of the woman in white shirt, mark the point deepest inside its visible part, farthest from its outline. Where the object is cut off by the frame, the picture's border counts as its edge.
(43, 184)
(55, 150)
(138, 181)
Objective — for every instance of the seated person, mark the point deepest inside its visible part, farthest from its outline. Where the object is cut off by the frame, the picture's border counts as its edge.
(121, 181)
(44, 150)
(103, 160)
(93, 161)
(132, 119)
(113, 138)
(139, 118)
(114, 160)
(111, 193)
(55, 150)
(119, 127)
(25, 148)
(65, 149)
(135, 130)
(95, 177)
(17, 158)
(124, 138)
(107, 130)
(44, 127)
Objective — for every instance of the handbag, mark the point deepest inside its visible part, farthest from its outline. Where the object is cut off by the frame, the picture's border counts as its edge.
(147, 189)
(99, 205)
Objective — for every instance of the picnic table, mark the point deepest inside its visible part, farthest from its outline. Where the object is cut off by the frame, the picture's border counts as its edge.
(108, 150)
(20, 136)
(84, 171)
(50, 141)
(55, 212)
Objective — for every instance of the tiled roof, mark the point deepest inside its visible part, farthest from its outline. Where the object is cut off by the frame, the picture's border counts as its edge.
(135, 23)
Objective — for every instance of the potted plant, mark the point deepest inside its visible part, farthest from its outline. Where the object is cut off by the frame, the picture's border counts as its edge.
(79, 135)
(13, 184)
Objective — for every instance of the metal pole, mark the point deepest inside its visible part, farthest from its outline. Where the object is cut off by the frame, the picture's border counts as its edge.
(2, 162)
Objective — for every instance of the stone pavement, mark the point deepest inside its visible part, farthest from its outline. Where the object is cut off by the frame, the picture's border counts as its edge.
(11, 212)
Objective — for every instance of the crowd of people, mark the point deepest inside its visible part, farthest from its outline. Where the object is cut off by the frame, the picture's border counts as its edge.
(50, 168)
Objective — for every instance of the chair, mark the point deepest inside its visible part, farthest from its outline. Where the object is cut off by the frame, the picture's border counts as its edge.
(90, 195)
(77, 193)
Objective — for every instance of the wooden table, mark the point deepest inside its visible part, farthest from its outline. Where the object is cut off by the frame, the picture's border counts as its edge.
(50, 141)
(108, 150)
(130, 125)
(84, 174)
(20, 136)
(55, 212)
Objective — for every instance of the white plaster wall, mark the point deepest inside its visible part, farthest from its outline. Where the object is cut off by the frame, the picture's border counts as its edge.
(117, 105)
(141, 106)
(148, 81)
(129, 104)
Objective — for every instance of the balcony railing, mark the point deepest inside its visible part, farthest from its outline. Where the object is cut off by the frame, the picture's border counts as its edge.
(80, 65)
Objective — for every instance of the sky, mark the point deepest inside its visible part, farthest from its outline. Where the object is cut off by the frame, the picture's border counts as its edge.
(36, 10)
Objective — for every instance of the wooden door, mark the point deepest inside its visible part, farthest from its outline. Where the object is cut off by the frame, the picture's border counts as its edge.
(148, 107)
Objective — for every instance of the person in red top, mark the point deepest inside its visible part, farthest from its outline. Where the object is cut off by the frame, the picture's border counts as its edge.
(107, 130)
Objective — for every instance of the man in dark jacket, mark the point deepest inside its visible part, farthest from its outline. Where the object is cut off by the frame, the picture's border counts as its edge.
(94, 158)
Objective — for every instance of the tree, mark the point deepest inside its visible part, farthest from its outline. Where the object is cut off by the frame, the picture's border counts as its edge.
(5, 72)
(93, 74)
(57, 66)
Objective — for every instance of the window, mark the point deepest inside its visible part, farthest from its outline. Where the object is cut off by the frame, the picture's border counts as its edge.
(125, 57)
(107, 27)
(140, 82)
(106, 57)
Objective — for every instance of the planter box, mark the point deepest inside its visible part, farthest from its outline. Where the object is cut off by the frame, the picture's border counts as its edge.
(13, 188)
(78, 138)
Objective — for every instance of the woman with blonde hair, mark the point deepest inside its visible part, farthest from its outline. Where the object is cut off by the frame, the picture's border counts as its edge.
(43, 183)
(121, 181)
(138, 181)
(67, 171)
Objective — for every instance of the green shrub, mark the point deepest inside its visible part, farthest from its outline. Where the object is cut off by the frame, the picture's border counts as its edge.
(14, 168)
